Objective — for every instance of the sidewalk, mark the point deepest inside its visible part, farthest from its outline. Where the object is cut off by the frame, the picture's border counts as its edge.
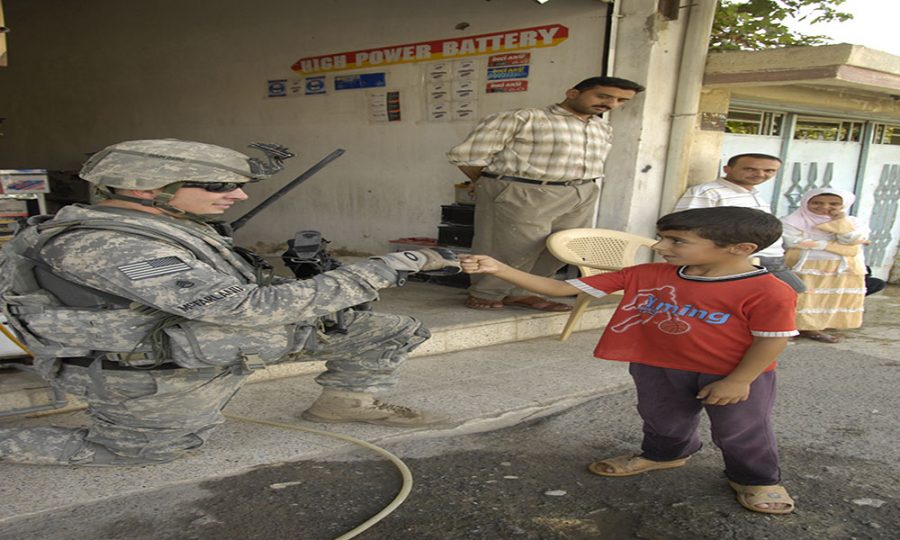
(487, 369)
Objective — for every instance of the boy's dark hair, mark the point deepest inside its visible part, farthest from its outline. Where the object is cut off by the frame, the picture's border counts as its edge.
(725, 225)
(615, 82)
(734, 159)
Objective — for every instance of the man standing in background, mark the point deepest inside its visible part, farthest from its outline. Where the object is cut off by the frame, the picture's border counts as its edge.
(536, 171)
(743, 173)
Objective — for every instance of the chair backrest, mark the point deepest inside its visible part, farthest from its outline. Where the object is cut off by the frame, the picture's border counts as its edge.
(595, 251)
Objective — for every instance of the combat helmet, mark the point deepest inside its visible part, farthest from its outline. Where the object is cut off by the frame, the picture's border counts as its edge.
(167, 164)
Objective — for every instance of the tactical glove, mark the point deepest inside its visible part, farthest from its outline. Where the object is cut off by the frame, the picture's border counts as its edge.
(431, 261)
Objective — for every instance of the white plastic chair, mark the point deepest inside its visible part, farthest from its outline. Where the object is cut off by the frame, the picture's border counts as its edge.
(594, 251)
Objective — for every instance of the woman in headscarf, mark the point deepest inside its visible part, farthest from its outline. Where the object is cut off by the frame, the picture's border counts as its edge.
(824, 247)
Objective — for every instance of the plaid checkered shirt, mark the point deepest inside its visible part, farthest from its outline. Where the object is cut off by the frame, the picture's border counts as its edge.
(549, 144)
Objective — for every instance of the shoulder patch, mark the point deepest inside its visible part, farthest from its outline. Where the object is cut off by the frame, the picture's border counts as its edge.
(153, 268)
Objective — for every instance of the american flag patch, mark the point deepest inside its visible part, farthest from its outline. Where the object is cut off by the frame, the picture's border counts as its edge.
(153, 268)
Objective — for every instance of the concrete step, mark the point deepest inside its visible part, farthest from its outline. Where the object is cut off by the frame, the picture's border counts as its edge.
(454, 327)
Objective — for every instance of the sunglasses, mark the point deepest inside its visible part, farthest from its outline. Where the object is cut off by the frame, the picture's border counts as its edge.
(214, 187)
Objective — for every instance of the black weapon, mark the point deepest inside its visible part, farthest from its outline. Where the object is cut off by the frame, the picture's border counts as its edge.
(307, 255)
(241, 221)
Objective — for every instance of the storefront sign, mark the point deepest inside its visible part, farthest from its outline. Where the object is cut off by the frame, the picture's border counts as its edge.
(510, 40)
(512, 72)
(515, 59)
(363, 80)
(314, 85)
(277, 88)
(506, 86)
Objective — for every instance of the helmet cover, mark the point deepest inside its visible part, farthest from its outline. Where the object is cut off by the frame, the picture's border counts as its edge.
(155, 163)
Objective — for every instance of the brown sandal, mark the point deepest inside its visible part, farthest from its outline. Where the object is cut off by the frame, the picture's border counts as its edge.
(538, 303)
(473, 302)
(630, 465)
(751, 497)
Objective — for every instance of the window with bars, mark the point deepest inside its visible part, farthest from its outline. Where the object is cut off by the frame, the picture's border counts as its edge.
(753, 122)
(821, 128)
(886, 134)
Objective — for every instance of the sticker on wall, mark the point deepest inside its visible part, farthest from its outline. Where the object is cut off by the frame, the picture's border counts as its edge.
(512, 59)
(463, 90)
(507, 72)
(439, 92)
(499, 87)
(314, 85)
(439, 71)
(464, 70)
(384, 106)
(439, 112)
(463, 110)
(277, 88)
(362, 80)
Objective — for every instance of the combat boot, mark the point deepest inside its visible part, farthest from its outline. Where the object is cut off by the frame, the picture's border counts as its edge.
(338, 406)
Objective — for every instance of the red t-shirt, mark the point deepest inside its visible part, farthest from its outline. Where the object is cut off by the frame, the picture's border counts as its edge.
(705, 325)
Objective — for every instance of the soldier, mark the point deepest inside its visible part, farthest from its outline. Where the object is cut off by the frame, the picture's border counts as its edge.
(138, 306)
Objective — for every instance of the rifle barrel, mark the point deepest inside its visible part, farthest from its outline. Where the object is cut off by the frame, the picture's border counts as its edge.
(241, 221)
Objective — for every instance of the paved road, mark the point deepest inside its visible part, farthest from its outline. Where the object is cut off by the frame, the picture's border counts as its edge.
(837, 426)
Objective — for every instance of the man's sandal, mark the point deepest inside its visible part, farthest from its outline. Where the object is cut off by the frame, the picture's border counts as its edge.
(536, 302)
(630, 465)
(751, 497)
(473, 302)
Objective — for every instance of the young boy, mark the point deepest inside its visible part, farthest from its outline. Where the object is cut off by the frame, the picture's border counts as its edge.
(701, 332)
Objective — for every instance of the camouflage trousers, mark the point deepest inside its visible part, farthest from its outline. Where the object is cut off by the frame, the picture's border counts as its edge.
(366, 357)
(156, 415)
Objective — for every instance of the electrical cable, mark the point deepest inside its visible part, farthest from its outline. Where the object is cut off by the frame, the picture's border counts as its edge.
(404, 470)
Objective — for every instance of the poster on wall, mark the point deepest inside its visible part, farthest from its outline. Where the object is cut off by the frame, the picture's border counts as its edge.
(464, 70)
(451, 90)
(507, 72)
(438, 72)
(23, 181)
(438, 92)
(314, 85)
(362, 80)
(439, 112)
(277, 88)
(384, 106)
(464, 110)
(499, 87)
(515, 59)
(463, 90)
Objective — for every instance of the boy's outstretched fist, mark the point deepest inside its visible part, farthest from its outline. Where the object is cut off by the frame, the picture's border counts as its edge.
(480, 264)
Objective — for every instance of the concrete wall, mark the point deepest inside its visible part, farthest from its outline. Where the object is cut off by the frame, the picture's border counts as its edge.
(705, 158)
(648, 52)
(86, 74)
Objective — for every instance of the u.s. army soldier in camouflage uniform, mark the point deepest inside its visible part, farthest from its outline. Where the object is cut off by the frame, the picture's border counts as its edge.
(147, 313)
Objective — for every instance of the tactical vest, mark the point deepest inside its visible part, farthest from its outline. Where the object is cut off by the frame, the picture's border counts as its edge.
(57, 318)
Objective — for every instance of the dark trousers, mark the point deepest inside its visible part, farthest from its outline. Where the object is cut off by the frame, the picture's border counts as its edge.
(743, 431)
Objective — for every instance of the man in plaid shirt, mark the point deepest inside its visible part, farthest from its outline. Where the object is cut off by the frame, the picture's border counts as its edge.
(536, 171)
